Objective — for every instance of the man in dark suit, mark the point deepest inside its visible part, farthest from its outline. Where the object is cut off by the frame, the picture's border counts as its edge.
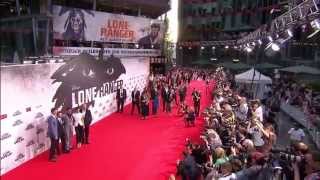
(53, 134)
(163, 97)
(196, 97)
(61, 134)
(168, 97)
(87, 122)
(135, 96)
(182, 93)
(121, 97)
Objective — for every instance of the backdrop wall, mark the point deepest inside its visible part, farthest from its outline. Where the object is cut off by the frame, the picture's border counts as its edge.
(28, 92)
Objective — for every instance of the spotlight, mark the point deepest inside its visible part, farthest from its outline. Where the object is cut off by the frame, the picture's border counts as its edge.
(227, 47)
(275, 47)
(61, 60)
(235, 60)
(213, 47)
(137, 46)
(213, 59)
(290, 33)
(27, 62)
(248, 49)
(152, 46)
(202, 48)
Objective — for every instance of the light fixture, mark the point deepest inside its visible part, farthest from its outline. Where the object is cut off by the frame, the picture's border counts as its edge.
(190, 47)
(213, 47)
(259, 41)
(152, 46)
(290, 33)
(27, 62)
(249, 49)
(227, 47)
(275, 47)
(137, 46)
(202, 47)
(213, 59)
(235, 60)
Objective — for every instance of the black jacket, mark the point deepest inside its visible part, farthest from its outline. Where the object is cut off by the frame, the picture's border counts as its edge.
(135, 96)
(87, 117)
(124, 94)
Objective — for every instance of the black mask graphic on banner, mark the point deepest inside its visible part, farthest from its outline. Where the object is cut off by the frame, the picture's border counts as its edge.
(84, 72)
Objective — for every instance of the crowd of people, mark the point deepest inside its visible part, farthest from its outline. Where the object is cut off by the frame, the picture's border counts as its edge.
(62, 124)
(170, 90)
(239, 139)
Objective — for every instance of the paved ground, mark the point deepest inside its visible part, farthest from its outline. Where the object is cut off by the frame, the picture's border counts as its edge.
(285, 124)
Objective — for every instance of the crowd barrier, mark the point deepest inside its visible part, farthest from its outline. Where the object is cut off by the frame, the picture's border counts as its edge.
(299, 116)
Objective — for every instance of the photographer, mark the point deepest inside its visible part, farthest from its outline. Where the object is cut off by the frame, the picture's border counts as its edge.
(190, 117)
(188, 168)
(304, 159)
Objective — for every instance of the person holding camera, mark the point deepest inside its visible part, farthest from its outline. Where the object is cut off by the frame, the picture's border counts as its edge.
(190, 117)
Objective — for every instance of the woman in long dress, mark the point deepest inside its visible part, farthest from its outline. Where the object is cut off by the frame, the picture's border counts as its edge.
(144, 103)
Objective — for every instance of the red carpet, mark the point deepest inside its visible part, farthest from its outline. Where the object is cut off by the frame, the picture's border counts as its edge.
(123, 147)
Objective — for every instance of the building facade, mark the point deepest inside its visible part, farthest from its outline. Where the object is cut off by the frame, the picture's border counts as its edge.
(221, 20)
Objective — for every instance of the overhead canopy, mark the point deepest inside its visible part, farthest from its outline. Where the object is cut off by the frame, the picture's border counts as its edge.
(301, 69)
(267, 66)
(234, 66)
(254, 76)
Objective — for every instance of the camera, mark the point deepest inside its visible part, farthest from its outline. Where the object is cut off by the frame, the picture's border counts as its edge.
(286, 156)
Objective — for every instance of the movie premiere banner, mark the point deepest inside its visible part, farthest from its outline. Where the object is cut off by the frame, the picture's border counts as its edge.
(119, 52)
(87, 25)
(28, 92)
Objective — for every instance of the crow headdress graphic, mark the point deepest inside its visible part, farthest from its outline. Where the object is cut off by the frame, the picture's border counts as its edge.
(83, 72)
(75, 24)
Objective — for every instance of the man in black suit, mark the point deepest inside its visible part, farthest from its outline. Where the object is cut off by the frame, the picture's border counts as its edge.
(196, 97)
(87, 122)
(182, 93)
(121, 97)
(135, 96)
